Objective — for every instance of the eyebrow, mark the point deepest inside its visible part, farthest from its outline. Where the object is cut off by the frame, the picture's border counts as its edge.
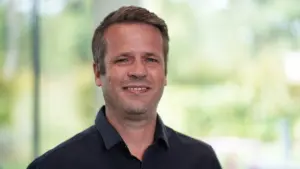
(145, 54)
(150, 54)
(124, 54)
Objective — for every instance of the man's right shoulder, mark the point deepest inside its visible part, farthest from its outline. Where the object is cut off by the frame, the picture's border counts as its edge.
(69, 150)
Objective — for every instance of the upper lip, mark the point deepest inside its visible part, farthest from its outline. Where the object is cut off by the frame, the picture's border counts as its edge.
(136, 86)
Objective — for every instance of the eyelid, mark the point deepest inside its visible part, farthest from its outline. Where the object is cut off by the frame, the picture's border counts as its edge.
(121, 57)
(152, 60)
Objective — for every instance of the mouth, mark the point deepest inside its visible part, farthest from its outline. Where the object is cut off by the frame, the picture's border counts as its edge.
(136, 89)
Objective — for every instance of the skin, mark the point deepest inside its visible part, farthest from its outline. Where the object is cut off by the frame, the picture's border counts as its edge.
(134, 62)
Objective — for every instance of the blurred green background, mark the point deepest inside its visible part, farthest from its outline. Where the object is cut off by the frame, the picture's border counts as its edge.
(233, 81)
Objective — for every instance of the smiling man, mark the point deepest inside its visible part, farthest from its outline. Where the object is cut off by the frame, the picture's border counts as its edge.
(130, 49)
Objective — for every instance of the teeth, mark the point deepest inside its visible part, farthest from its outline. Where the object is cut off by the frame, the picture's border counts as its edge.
(136, 88)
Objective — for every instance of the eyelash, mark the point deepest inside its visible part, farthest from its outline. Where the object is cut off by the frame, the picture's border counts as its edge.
(121, 60)
(152, 59)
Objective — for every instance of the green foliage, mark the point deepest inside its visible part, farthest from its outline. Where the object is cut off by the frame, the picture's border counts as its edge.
(88, 96)
(243, 45)
(66, 38)
(6, 102)
(229, 119)
(2, 35)
(87, 105)
(6, 87)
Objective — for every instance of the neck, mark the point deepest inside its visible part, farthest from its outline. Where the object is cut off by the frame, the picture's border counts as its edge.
(137, 134)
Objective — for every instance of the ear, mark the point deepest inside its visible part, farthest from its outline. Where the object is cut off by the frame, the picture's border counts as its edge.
(97, 75)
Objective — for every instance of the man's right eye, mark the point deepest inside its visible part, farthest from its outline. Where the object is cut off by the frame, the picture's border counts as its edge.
(121, 60)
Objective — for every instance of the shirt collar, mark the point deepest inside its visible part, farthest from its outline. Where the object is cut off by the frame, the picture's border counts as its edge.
(111, 137)
(161, 132)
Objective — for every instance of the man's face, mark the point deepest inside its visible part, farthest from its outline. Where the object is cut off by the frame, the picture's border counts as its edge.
(135, 76)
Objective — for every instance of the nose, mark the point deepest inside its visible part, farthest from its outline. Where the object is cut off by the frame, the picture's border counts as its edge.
(138, 70)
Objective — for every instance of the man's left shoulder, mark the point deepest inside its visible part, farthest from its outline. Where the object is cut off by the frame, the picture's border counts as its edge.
(189, 143)
(200, 154)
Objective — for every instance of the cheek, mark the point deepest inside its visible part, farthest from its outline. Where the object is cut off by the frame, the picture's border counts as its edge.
(159, 75)
(163, 81)
(106, 81)
(117, 74)
(113, 82)
(110, 82)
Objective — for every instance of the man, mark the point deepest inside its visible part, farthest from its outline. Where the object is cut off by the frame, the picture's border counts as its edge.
(130, 50)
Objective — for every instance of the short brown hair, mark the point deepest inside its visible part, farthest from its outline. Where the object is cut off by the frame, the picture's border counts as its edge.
(127, 14)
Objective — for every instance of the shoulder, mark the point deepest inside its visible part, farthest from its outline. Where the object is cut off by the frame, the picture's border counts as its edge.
(70, 149)
(196, 152)
(200, 150)
(187, 142)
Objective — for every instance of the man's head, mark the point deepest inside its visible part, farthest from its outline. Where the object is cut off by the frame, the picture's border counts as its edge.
(130, 49)
(128, 14)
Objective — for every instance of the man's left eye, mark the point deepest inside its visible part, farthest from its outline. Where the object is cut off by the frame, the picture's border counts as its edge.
(151, 60)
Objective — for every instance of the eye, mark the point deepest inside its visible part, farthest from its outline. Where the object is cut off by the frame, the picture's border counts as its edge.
(121, 60)
(151, 60)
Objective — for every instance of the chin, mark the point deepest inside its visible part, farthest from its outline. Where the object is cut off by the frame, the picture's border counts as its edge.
(134, 113)
(136, 110)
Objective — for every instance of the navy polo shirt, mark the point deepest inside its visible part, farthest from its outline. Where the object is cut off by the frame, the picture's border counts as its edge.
(101, 147)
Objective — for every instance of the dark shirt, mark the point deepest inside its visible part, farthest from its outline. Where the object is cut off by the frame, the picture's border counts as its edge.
(101, 147)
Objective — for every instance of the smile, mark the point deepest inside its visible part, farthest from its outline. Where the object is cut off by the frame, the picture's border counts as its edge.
(137, 89)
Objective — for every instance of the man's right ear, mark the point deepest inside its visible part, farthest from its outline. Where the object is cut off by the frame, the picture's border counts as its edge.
(97, 75)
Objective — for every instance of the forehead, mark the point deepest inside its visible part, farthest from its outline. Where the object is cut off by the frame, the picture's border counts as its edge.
(131, 27)
(138, 37)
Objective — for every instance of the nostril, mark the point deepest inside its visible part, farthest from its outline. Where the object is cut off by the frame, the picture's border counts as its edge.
(137, 75)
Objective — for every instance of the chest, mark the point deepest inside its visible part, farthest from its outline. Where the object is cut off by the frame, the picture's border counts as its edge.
(152, 159)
